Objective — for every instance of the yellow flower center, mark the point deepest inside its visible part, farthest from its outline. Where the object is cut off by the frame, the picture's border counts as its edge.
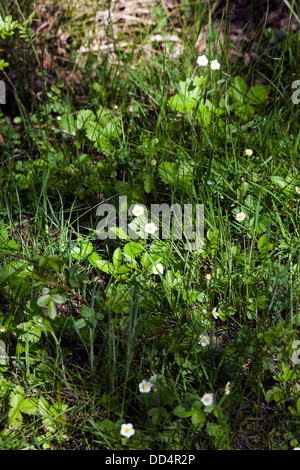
(127, 430)
(145, 386)
(207, 399)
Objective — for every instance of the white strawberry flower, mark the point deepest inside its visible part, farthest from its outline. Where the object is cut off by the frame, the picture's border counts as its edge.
(227, 388)
(158, 269)
(150, 228)
(145, 387)
(153, 379)
(215, 65)
(215, 313)
(241, 216)
(207, 399)
(204, 340)
(202, 60)
(137, 211)
(127, 430)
